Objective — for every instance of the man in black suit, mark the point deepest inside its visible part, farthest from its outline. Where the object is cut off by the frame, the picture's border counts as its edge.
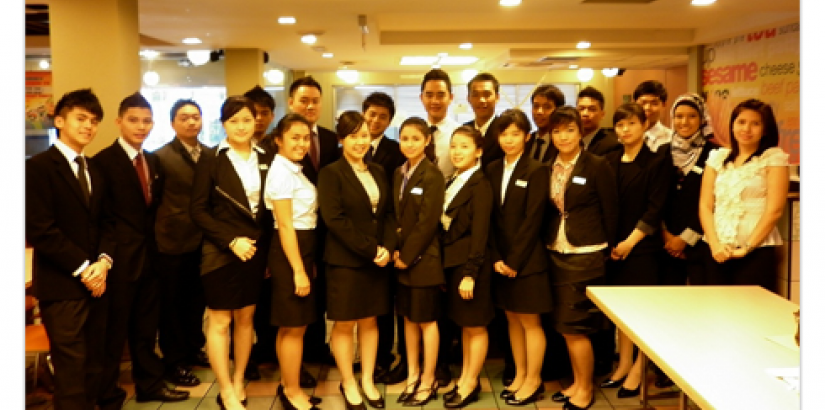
(596, 140)
(379, 110)
(305, 99)
(181, 336)
(545, 100)
(483, 95)
(264, 114)
(132, 193)
(64, 199)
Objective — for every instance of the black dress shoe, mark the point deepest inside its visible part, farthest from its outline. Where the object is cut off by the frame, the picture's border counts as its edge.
(182, 376)
(307, 380)
(350, 406)
(456, 401)
(536, 396)
(407, 393)
(163, 394)
(201, 360)
(288, 404)
(509, 375)
(432, 392)
(625, 393)
(449, 395)
(442, 375)
(397, 375)
(218, 399)
(571, 406)
(377, 403)
(315, 400)
(506, 394)
(251, 372)
(559, 397)
(610, 384)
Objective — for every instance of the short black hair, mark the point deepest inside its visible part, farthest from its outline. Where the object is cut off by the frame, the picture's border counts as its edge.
(651, 87)
(513, 116)
(482, 77)
(234, 104)
(82, 98)
(307, 81)
(593, 93)
(471, 132)
(550, 92)
(379, 99)
(136, 100)
(565, 115)
(628, 110)
(180, 104)
(437, 74)
(259, 96)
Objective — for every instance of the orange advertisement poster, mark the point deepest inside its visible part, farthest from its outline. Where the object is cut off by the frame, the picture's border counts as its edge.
(39, 100)
(762, 64)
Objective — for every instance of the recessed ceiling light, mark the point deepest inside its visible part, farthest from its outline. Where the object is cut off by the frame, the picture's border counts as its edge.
(44, 64)
(509, 3)
(466, 46)
(149, 54)
(573, 66)
(286, 20)
(418, 60)
(585, 74)
(326, 55)
(610, 72)
(702, 2)
(192, 40)
(583, 44)
(309, 39)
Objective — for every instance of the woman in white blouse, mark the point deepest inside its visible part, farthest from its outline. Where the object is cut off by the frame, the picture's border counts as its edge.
(293, 201)
(744, 189)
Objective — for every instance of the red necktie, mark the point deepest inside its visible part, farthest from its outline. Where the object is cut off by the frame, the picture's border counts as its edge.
(142, 176)
(313, 150)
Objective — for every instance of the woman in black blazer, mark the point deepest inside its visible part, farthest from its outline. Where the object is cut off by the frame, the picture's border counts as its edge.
(228, 205)
(418, 193)
(643, 179)
(468, 270)
(580, 235)
(522, 286)
(355, 204)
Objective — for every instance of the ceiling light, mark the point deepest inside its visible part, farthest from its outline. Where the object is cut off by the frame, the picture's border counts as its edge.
(286, 20)
(418, 60)
(466, 46)
(583, 44)
(347, 75)
(327, 55)
(468, 75)
(509, 3)
(149, 54)
(151, 78)
(573, 66)
(458, 60)
(44, 64)
(610, 72)
(585, 74)
(198, 57)
(274, 76)
(192, 40)
(702, 2)
(309, 39)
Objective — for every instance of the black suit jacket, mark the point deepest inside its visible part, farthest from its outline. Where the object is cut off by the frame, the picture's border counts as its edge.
(133, 218)
(491, 150)
(174, 230)
(419, 217)
(591, 204)
(604, 142)
(465, 243)
(61, 228)
(354, 232)
(549, 153)
(682, 209)
(329, 153)
(389, 156)
(643, 187)
(221, 208)
(515, 232)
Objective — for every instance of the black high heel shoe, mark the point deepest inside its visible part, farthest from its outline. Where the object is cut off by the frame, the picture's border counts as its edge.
(377, 403)
(559, 397)
(288, 404)
(405, 395)
(609, 383)
(456, 401)
(449, 395)
(625, 393)
(571, 406)
(536, 396)
(413, 402)
(350, 406)
(223, 407)
(507, 394)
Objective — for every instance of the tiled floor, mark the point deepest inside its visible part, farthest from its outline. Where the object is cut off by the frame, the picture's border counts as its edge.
(261, 393)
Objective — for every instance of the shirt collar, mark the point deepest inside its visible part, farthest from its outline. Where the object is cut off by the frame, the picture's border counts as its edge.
(376, 142)
(66, 151)
(225, 145)
(295, 168)
(465, 176)
(483, 128)
(190, 148)
(558, 160)
(315, 128)
(130, 150)
(513, 165)
(406, 167)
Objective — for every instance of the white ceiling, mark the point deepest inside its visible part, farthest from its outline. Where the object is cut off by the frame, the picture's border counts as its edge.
(653, 35)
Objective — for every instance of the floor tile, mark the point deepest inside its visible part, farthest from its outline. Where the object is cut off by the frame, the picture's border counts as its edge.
(260, 403)
(262, 388)
(196, 391)
(188, 404)
(134, 405)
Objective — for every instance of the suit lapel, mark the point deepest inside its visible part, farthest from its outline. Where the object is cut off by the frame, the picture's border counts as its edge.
(380, 151)
(65, 170)
(496, 174)
(184, 153)
(415, 178)
(519, 173)
(465, 193)
(231, 184)
(129, 169)
(349, 175)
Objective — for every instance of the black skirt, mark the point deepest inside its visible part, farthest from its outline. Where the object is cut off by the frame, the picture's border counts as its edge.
(574, 312)
(523, 294)
(477, 311)
(236, 285)
(635, 270)
(289, 309)
(357, 293)
(420, 305)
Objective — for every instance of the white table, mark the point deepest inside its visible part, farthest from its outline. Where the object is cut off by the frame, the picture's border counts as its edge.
(710, 340)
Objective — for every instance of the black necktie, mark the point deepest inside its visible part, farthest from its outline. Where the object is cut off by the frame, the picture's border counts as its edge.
(81, 177)
(537, 151)
(429, 151)
(450, 182)
(368, 156)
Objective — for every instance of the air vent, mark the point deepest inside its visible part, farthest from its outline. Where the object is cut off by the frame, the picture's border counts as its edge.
(617, 1)
(547, 59)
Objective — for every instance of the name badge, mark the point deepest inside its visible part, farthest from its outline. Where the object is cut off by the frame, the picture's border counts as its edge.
(697, 169)
(579, 180)
(417, 190)
(521, 183)
(263, 166)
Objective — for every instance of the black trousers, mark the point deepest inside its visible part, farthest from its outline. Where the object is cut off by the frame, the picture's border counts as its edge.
(758, 267)
(134, 312)
(182, 305)
(387, 326)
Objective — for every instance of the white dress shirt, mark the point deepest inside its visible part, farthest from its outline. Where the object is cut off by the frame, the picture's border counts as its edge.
(657, 136)
(247, 170)
(70, 156)
(441, 139)
(505, 177)
(286, 181)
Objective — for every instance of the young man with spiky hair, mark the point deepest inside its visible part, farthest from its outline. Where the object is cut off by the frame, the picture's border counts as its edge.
(436, 96)
(132, 185)
(483, 95)
(264, 114)
(652, 96)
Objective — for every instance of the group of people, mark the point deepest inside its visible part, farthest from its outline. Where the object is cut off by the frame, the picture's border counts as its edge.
(452, 232)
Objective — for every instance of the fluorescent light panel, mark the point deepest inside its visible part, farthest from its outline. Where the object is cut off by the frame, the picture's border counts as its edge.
(286, 20)
(192, 40)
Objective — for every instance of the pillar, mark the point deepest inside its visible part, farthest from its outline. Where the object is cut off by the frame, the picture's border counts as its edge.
(696, 63)
(244, 69)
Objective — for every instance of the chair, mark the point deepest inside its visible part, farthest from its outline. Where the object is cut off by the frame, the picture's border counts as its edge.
(37, 343)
